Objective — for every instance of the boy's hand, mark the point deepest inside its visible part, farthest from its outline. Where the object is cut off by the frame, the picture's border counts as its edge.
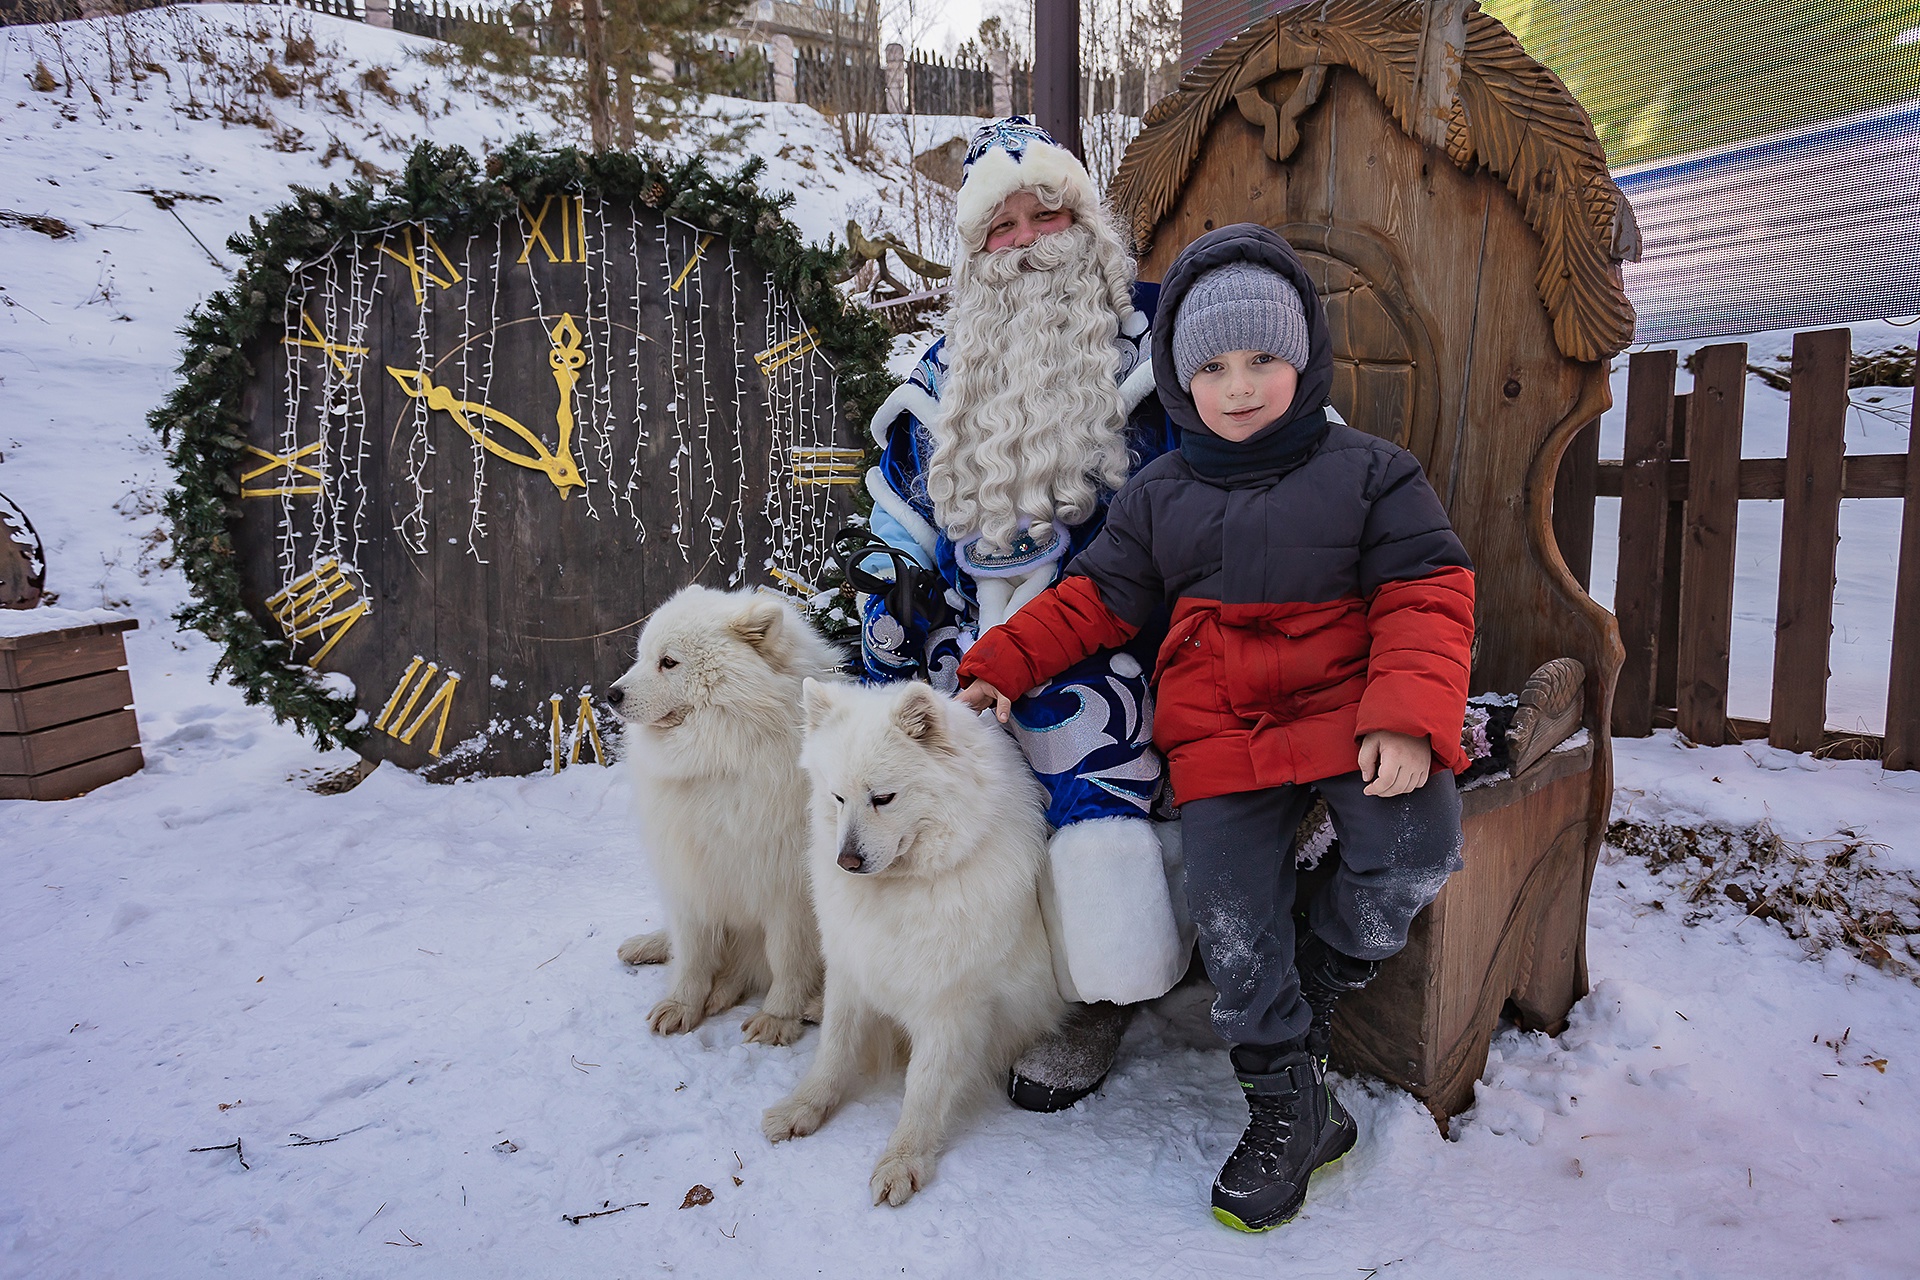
(980, 695)
(1393, 764)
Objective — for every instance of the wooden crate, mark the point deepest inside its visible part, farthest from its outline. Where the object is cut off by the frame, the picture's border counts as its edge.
(66, 715)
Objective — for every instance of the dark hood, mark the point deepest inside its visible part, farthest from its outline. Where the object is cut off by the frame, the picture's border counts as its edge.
(1304, 419)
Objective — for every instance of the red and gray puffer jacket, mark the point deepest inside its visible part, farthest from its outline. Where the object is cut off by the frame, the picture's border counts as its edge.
(1318, 591)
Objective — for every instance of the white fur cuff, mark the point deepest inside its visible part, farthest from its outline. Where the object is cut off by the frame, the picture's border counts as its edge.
(1110, 917)
(1138, 385)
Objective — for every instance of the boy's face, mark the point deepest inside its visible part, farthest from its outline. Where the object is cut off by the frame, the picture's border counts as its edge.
(1242, 391)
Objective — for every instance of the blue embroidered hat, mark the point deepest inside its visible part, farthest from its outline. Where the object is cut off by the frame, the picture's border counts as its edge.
(1014, 154)
(1011, 134)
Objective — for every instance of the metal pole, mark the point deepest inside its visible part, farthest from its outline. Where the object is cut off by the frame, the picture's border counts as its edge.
(1056, 71)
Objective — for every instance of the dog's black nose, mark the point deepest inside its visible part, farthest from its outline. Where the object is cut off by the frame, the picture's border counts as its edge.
(851, 861)
(616, 695)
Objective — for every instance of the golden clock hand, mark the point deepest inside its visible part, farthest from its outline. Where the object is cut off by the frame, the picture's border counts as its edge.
(566, 360)
(562, 471)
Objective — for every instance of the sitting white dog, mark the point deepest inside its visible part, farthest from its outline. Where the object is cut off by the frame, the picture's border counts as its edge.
(713, 709)
(929, 836)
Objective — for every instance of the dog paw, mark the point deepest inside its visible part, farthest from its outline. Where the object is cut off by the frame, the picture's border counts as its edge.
(646, 948)
(793, 1118)
(767, 1028)
(898, 1176)
(672, 1017)
(814, 1012)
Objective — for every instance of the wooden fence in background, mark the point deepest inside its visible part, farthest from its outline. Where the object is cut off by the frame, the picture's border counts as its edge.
(338, 8)
(1680, 483)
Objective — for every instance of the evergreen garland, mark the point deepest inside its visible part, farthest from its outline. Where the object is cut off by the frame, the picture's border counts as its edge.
(203, 426)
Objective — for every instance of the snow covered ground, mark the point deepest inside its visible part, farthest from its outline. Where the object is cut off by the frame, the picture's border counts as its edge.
(210, 952)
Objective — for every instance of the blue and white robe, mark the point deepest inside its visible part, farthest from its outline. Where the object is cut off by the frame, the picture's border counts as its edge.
(1087, 734)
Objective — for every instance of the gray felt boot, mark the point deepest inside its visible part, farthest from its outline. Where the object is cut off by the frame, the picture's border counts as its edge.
(1069, 1064)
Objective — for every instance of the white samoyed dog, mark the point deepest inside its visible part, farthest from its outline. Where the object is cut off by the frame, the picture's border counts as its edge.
(713, 711)
(929, 835)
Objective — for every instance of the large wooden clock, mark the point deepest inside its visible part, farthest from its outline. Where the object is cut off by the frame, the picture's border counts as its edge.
(475, 461)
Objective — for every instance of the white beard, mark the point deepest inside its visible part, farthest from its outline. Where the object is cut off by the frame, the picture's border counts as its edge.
(1031, 426)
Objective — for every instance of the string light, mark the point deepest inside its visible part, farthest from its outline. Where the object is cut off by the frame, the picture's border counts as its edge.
(476, 516)
(295, 394)
(711, 525)
(739, 327)
(357, 438)
(640, 433)
(412, 527)
(600, 341)
(676, 405)
(588, 425)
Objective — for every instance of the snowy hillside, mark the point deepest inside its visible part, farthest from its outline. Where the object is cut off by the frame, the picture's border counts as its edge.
(402, 1002)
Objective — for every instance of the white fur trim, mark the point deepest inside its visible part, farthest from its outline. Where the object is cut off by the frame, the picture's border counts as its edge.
(1030, 587)
(1111, 918)
(1138, 386)
(1134, 325)
(992, 595)
(1056, 935)
(898, 507)
(997, 175)
(1173, 856)
(1001, 598)
(908, 397)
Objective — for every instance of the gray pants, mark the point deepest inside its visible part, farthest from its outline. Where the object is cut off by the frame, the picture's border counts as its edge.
(1395, 854)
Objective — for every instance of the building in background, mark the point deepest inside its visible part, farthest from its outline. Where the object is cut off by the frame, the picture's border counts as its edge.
(1771, 150)
(1205, 25)
(817, 29)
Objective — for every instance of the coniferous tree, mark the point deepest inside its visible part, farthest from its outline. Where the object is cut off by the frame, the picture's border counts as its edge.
(627, 68)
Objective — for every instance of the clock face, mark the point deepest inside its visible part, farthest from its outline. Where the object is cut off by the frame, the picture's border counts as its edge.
(476, 461)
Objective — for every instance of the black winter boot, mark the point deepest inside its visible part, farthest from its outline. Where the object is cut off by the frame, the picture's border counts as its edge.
(1294, 1125)
(1325, 976)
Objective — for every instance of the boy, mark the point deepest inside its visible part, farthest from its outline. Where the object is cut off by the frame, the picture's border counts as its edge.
(1321, 631)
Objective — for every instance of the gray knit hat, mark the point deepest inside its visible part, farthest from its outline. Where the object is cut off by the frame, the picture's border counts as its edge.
(1238, 307)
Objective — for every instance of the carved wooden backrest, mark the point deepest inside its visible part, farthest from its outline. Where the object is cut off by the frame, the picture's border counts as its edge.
(1454, 204)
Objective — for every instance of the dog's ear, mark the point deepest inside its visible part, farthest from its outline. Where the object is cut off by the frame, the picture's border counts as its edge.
(922, 718)
(817, 700)
(761, 622)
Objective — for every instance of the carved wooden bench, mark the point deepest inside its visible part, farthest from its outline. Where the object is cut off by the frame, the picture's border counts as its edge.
(1454, 204)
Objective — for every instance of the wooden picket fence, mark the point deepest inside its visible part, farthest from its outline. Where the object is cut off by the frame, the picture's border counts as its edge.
(337, 8)
(1680, 483)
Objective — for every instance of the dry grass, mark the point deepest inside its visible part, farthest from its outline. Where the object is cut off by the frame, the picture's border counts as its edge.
(236, 69)
(1825, 893)
(377, 80)
(46, 224)
(1892, 367)
(278, 82)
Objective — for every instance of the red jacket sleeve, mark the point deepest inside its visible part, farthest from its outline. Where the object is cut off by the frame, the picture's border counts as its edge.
(1421, 633)
(1057, 628)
